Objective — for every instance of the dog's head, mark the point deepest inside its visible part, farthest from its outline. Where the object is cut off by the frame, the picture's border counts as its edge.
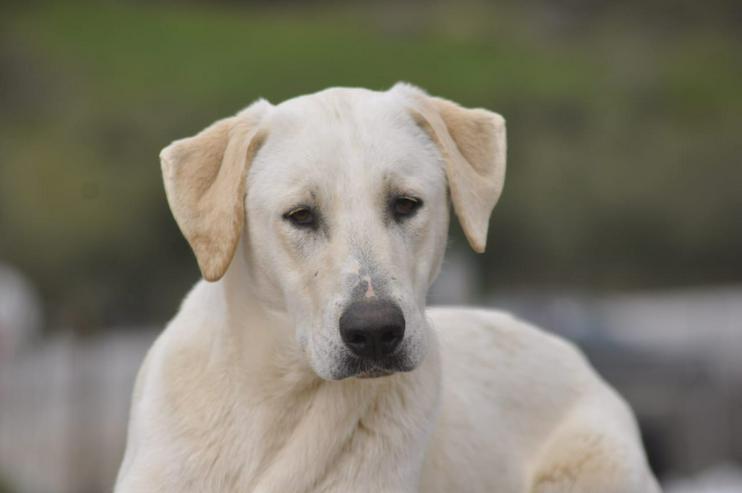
(340, 199)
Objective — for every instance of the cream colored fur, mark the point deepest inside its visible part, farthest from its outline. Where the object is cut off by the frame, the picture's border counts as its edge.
(246, 389)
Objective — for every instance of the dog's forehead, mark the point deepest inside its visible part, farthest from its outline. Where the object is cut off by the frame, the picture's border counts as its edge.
(335, 105)
(343, 130)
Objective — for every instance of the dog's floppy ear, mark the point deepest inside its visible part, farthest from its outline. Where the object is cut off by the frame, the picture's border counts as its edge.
(472, 142)
(204, 179)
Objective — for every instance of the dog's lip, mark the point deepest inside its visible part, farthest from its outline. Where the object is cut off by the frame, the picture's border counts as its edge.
(376, 369)
(375, 373)
(356, 367)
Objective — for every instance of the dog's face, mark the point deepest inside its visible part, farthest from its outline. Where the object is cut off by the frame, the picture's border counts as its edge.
(347, 213)
(342, 198)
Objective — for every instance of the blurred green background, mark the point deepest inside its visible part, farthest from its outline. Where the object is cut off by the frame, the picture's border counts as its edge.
(624, 121)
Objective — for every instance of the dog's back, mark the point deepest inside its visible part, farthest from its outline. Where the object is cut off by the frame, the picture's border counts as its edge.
(522, 410)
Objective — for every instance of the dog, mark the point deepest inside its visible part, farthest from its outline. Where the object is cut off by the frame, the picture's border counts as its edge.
(307, 361)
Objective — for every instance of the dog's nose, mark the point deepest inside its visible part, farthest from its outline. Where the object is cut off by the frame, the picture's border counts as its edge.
(372, 329)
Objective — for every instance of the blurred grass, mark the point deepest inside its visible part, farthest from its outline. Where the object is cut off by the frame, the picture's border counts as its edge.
(624, 131)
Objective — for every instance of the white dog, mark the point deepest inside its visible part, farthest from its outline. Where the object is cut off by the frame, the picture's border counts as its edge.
(307, 361)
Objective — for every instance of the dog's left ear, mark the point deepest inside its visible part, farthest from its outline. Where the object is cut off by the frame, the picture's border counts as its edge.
(204, 179)
(472, 142)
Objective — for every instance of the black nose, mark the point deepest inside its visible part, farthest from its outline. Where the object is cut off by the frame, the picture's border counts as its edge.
(372, 329)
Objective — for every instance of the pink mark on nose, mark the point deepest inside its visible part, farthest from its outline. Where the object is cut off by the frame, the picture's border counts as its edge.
(370, 288)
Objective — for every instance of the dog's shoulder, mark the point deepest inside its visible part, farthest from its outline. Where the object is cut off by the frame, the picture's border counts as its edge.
(506, 360)
(179, 388)
(502, 336)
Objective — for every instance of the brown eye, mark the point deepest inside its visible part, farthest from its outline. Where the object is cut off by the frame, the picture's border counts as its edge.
(404, 207)
(302, 217)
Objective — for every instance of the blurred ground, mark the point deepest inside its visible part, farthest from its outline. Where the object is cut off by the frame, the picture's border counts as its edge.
(620, 226)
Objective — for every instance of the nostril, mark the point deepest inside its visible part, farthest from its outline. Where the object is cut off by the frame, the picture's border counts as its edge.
(390, 336)
(356, 338)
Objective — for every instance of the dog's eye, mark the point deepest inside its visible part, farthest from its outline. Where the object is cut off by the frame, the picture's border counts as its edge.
(302, 217)
(403, 207)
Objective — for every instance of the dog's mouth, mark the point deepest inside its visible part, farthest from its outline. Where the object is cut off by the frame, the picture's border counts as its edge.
(364, 368)
(375, 373)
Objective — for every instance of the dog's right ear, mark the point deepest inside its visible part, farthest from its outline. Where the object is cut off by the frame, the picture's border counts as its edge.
(204, 179)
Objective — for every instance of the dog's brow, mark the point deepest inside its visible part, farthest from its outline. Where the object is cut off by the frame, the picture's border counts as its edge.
(398, 184)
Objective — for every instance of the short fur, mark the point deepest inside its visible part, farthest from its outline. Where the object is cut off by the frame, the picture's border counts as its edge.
(250, 387)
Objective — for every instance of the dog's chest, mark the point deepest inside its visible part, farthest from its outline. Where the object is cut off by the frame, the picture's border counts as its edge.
(235, 452)
(300, 443)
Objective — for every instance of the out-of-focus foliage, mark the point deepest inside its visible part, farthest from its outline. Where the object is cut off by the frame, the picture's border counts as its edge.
(624, 123)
